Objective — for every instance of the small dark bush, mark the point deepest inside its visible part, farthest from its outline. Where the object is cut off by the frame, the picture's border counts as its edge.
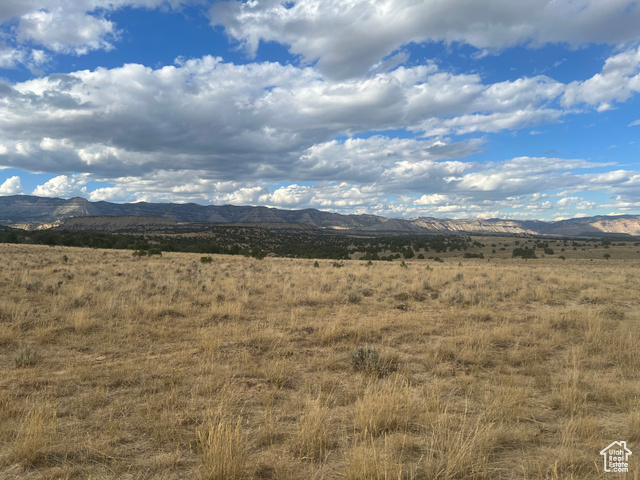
(354, 298)
(524, 253)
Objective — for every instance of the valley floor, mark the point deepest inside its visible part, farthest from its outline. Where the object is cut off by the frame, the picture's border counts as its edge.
(165, 367)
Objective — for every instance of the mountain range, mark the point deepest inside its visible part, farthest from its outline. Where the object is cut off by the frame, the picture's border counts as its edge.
(78, 213)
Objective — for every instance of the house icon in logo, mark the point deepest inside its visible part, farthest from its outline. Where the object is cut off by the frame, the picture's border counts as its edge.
(616, 457)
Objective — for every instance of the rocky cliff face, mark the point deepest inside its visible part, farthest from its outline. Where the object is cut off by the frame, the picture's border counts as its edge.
(35, 211)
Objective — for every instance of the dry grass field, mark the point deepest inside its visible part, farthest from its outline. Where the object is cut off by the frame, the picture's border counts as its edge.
(133, 368)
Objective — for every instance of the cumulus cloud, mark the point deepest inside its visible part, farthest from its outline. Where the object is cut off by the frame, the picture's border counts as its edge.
(618, 80)
(434, 199)
(348, 37)
(270, 120)
(63, 186)
(109, 194)
(33, 30)
(62, 32)
(11, 186)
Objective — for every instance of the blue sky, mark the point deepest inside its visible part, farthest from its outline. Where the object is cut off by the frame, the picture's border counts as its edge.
(405, 108)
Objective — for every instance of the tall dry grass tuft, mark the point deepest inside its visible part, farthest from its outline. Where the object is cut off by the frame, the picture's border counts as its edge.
(387, 406)
(314, 436)
(222, 449)
(36, 434)
(458, 446)
(571, 397)
(371, 460)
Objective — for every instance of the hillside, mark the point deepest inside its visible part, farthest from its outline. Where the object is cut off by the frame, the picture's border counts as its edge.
(33, 212)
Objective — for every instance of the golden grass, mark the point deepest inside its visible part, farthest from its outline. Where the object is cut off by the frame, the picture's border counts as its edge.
(121, 367)
(222, 448)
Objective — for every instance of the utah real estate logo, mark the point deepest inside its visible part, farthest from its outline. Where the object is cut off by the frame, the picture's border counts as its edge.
(616, 457)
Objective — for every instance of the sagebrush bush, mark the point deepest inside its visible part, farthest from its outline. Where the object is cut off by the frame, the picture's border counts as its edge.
(367, 360)
(364, 358)
(354, 298)
(26, 357)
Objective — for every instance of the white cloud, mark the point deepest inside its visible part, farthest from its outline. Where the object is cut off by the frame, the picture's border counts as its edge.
(435, 199)
(69, 27)
(568, 202)
(271, 122)
(63, 186)
(618, 80)
(11, 186)
(109, 194)
(11, 57)
(65, 32)
(418, 187)
(348, 37)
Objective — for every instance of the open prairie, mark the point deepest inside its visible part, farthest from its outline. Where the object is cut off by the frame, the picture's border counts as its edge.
(166, 367)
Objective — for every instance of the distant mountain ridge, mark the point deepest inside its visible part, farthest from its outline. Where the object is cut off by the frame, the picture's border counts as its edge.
(25, 210)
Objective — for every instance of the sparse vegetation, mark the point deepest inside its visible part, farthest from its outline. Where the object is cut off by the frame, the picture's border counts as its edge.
(120, 367)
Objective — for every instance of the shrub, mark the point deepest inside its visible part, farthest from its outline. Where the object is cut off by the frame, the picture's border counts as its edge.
(354, 298)
(26, 357)
(524, 253)
(206, 259)
(316, 264)
(364, 358)
(367, 360)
